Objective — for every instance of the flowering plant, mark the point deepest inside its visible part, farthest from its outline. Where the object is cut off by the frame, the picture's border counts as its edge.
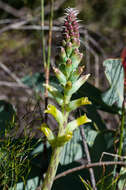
(69, 76)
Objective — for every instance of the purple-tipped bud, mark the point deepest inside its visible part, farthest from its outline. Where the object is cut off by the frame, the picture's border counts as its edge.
(63, 54)
(76, 42)
(63, 43)
(68, 67)
(80, 69)
(71, 27)
(68, 85)
(69, 49)
(69, 62)
(76, 58)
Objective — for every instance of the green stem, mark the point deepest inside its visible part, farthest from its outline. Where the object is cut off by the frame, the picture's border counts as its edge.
(51, 172)
(122, 130)
(47, 66)
(120, 140)
(50, 34)
(55, 157)
(43, 41)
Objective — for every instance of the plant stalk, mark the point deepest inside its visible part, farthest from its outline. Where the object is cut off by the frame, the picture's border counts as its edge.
(88, 158)
(50, 34)
(51, 172)
(47, 66)
(43, 36)
(122, 129)
(121, 137)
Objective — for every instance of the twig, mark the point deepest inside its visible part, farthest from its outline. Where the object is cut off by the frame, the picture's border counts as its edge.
(11, 10)
(19, 82)
(13, 84)
(99, 164)
(11, 74)
(6, 21)
(113, 155)
(19, 26)
(14, 26)
(88, 158)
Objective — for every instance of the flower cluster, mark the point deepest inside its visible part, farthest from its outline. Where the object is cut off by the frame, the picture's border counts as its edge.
(71, 27)
(68, 72)
(70, 56)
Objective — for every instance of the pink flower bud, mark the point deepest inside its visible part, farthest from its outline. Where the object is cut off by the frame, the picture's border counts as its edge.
(71, 28)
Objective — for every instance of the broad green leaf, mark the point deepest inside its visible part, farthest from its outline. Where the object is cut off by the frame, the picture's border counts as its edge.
(102, 143)
(124, 140)
(71, 126)
(35, 81)
(115, 75)
(51, 109)
(95, 96)
(31, 184)
(90, 134)
(94, 115)
(122, 179)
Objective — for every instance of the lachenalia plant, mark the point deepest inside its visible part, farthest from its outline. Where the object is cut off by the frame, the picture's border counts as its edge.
(69, 75)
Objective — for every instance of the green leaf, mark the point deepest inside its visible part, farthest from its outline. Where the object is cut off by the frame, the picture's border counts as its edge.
(90, 134)
(71, 126)
(47, 132)
(115, 75)
(60, 76)
(74, 87)
(68, 68)
(95, 96)
(55, 94)
(34, 81)
(94, 115)
(51, 109)
(122, 179)
(75, 75)
(76, 58)
(77, 103)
